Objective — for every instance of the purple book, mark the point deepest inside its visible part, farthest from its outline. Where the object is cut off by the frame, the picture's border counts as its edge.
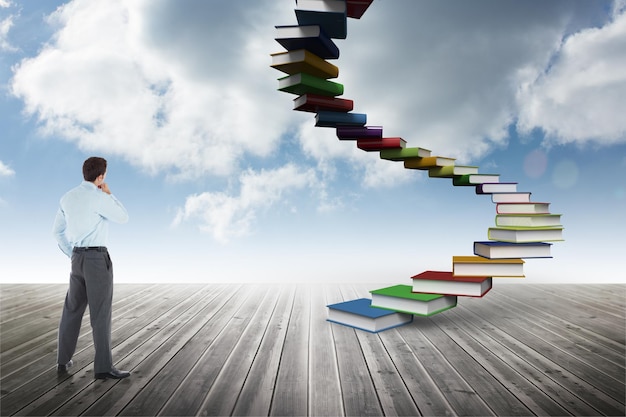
(359, 132)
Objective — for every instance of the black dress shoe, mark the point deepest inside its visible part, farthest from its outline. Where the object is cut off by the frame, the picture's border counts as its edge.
(61, 369)
(113, 374)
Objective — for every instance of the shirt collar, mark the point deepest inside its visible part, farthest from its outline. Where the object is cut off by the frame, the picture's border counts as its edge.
(89, 185)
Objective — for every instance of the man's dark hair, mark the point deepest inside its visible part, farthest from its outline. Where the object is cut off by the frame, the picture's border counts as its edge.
(94, 167)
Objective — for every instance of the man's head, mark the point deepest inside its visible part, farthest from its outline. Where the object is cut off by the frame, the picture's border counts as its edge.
(93, 168)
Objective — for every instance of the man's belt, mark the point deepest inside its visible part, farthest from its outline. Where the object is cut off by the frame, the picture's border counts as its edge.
(90, 248)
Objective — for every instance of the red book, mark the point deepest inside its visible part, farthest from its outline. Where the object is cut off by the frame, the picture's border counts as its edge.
(380, 144)
(315, 103)
(356, 8)
(444, 282)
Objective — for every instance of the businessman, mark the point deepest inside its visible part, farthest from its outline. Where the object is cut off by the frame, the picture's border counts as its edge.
(81, 230)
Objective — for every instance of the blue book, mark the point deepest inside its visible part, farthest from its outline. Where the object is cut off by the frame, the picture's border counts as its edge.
(310, 37)
(334, 119)
(329, 14)
(361, 315)
(494, 249)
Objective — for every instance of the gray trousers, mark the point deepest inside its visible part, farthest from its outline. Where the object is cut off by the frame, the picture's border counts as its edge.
(91, 283)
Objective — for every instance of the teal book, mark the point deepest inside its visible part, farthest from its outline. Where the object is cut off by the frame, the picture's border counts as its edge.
(401, 298)
(303, 83)
(335, 119)
(361, 315)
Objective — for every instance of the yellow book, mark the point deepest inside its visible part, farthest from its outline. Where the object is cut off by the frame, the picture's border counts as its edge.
(473, 266)
(301, 60)
(428, 162)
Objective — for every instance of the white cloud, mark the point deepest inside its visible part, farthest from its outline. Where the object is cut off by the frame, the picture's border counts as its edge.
(120, 78)
(581, 96)
(5, 170)
(227, 216)
(5, 26)
(5, 3)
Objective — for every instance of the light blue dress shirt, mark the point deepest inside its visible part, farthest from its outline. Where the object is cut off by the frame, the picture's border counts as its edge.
(83, 217)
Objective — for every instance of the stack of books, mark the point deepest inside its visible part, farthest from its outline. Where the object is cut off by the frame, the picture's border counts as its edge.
(523, 228)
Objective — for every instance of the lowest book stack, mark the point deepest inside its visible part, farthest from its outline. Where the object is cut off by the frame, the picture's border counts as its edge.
(523, 228)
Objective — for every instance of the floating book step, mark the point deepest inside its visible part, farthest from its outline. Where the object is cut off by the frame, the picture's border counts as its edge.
(404, 154)
(451, 171)
(380, 144)
(477, 266)
(356, 8)
(516, 197)
(499, 187)
(312, 38)
(402, 298)
(528, 220)
(443, 282)
(301, 60)
(315, 103)
(473, 179)
(523, 208)
(334, 119)
(360, 314)
(359, 132)
(510, 250)
(331, 15)
(303, 83)
(525, 234)
(428, 162)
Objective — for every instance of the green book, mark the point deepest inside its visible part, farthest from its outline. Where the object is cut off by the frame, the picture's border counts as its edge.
(402, 298)
(475, 179)
(405, 153)
(303, 83)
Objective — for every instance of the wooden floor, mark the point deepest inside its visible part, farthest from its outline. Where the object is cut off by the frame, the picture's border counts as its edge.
(267, 350)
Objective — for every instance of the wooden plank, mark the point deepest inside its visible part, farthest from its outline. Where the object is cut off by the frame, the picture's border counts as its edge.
(587, 297)
(359, 394)
(156, 393)
(605, 361)
(256, 395)
(158, 350)
(487, 336)
(520, 342)
(189, 395)
(425, 393)
(324, 385)
(290, 392)
(491, 356)
(222, 396)
(574, 313)
(69, 386)
(540, 310)
(458, 393)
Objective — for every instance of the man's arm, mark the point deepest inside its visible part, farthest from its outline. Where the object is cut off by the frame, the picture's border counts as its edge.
(58, 231)
(110, 207)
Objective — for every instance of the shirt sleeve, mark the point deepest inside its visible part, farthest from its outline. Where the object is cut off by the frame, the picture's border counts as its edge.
(58, 231)
(111, 209)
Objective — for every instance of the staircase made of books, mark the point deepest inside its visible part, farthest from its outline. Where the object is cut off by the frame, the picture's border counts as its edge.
(523, 227)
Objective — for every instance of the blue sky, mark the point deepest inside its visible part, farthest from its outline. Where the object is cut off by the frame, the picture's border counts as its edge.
(225, 183)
